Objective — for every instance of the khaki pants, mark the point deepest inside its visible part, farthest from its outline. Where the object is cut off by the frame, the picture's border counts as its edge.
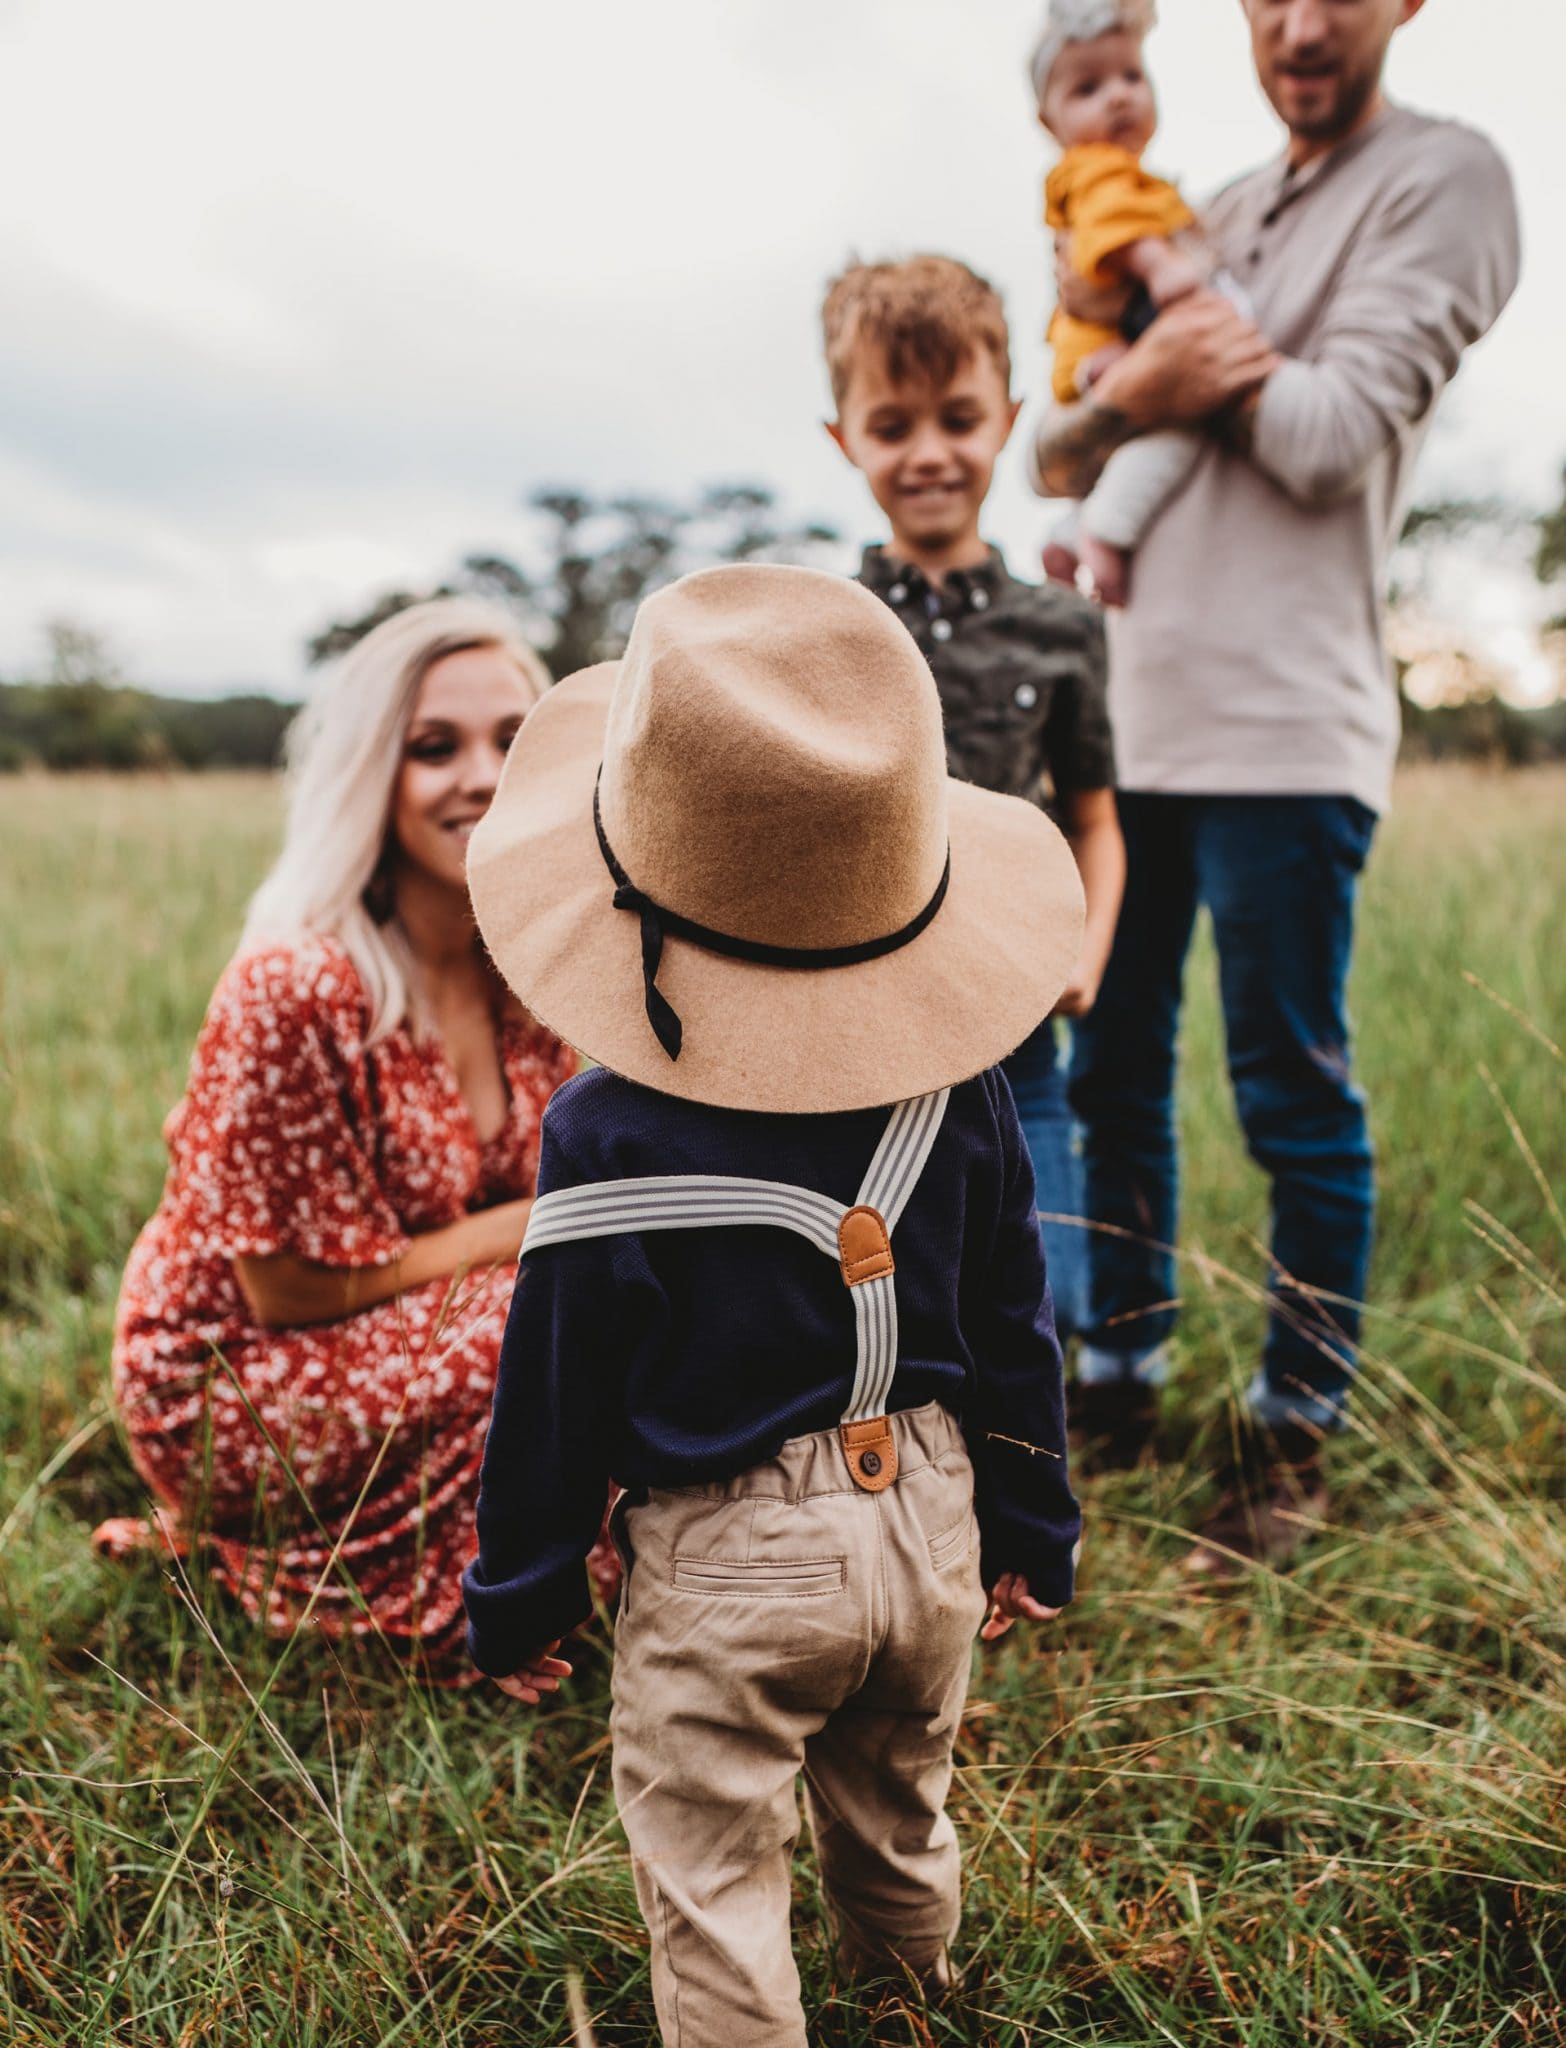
(776, 1623)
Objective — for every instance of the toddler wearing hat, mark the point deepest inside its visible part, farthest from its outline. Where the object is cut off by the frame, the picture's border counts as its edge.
(1126, 227)
(783, 1278)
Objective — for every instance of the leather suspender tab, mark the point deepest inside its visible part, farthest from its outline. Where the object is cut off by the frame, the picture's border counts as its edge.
(864, 1246)
(871, 1453)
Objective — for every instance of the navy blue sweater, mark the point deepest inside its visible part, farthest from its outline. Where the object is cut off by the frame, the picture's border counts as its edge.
(674, 1357)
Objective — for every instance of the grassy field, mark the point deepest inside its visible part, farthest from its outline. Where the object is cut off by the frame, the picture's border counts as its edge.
(1328, 1808)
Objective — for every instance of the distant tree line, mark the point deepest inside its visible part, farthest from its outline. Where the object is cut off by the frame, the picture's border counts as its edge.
(592, 561)
(84, 715)
(1471, 720)
(595, 559)
(93, 725)
(1485, 729)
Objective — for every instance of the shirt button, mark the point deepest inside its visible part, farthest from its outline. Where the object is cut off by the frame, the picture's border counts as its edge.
(1026, 696)
(979, 600)
(898, 594)
(941, 630)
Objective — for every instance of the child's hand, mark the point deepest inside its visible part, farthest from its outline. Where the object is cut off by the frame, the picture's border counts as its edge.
(1079, 994)
(541, 1673)
(1110, 569)
(1011, 1601)
(1060, 564)
(1169, 272)
(1178, 277)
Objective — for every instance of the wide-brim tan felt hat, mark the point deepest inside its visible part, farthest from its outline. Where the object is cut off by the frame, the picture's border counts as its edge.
(732, 865)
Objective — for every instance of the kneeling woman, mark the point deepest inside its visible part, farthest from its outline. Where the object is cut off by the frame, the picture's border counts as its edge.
(309, 1326)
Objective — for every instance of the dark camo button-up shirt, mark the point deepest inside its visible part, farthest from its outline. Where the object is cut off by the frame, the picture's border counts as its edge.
(1021, 671)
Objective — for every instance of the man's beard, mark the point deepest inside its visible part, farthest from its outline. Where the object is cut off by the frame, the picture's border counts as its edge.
(1353, 96)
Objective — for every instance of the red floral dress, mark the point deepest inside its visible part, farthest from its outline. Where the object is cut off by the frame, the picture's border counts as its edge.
(293, 1136)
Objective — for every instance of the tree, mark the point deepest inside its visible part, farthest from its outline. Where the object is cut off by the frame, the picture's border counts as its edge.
(1459, 710)
(82, 714)
(1430, 650)
(78, 655)
(337, 638)
(1549, 558)
(91, 718)
(596, 559)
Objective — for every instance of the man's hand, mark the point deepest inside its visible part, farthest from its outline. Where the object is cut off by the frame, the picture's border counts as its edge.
(1199, 358)
(1194, 360)
(1011, 1601)
(541, 1673)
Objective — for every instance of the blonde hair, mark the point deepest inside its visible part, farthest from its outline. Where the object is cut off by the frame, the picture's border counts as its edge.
(926, 316)
(343, 753)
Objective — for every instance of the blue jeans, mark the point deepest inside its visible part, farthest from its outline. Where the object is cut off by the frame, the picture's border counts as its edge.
(1037, 1073)
(1279, 875)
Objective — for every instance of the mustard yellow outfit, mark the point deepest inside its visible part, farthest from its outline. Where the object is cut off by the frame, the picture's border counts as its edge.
(1100, 195)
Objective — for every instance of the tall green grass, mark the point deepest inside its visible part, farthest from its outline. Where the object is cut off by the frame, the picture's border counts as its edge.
(1322, 1808)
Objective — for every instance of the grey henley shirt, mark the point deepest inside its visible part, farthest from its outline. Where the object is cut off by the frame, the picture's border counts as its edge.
(1251, 658)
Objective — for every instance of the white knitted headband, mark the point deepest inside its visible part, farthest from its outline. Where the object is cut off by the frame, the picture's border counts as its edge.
(1079, 21)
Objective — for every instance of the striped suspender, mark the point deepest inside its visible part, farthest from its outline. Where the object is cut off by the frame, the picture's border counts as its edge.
(893, 1175)
(858, 1238)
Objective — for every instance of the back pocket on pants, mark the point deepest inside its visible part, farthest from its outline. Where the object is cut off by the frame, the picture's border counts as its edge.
(768, 1578)
(950, 1545)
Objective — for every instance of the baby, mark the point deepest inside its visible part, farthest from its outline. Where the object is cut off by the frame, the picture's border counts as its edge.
(1124, 227)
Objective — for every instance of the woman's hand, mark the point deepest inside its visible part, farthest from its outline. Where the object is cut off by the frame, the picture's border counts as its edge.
(1011, 1601)
(493, 1237)
(284, 1291)
(541, 1673)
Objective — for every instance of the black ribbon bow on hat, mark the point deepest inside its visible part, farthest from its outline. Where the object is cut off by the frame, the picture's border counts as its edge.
(661, 1013)
(658, 922)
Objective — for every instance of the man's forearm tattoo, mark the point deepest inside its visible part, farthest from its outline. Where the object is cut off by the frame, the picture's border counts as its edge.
(1076, 443)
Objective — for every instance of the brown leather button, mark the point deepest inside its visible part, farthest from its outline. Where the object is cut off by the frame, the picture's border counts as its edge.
(870, 1464)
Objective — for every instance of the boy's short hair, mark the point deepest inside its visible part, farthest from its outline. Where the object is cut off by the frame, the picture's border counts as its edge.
(926, 315)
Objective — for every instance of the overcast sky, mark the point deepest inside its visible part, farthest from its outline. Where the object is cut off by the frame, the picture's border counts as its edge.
(301, 299)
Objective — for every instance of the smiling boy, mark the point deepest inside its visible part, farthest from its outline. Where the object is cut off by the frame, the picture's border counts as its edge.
(919, 361)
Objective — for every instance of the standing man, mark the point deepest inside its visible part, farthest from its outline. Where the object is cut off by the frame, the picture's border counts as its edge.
(1255, 720)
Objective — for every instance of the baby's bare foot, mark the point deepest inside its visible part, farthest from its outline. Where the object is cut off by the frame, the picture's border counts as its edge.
(1110, 569)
